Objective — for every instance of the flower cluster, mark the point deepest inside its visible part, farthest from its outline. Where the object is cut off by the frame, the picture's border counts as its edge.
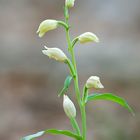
(93, 82)
(59, 55)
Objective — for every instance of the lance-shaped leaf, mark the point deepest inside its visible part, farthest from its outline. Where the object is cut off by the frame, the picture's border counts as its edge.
(64, 132)
(110, 97)
(55, 132)
(66, 85)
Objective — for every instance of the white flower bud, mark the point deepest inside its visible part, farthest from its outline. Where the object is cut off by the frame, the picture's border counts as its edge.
(88, 37)
(55, 53)
(69, 3)
(69, 107)
(94, 82)
(46, 26)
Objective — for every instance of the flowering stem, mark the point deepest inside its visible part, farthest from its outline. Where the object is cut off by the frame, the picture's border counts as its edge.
(76, 83)
(84, 127)
(81, 105)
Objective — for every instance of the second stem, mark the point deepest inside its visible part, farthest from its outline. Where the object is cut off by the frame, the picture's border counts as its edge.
(76, 84)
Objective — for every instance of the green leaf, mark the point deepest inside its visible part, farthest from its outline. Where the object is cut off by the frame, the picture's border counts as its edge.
(66, 85)
(64, 132)
(110, 97)
(55, 132)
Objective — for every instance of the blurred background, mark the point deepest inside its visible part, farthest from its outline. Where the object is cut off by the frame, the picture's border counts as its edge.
(30, 82)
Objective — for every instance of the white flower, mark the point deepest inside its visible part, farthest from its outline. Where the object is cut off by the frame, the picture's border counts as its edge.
(69, 3)
(55, 53)
(69, 107)
(46, 26)
(88, 37)
(94, 82)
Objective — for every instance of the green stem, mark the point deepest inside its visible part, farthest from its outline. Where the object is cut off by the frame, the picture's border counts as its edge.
(76, 83)
(68, 39)
(81, 105)
(72, 71)
(63, 24)
(84, 127)
(75, 126)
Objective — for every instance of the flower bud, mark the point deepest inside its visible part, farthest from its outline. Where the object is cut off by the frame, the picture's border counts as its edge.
(55, 53)
(69, 3)
(69, 107)
(94, 82)
(88, 37)
(46, 26)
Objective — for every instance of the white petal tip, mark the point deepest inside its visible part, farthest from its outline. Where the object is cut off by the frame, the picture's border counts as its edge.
(44, 52)
(46, 47)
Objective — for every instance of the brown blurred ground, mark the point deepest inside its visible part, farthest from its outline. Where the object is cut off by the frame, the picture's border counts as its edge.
(29, 81)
